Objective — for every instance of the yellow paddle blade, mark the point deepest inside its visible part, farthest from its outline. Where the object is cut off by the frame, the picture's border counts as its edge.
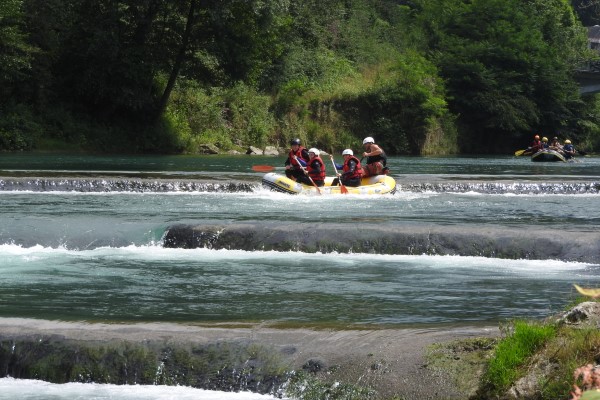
(519, 152)
(588, 292)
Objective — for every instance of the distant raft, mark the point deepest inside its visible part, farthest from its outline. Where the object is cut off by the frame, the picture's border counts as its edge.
(548, 156)
(379, 184)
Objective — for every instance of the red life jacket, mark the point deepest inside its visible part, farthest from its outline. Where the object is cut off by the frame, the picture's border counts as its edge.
(358, 172)
(298, 154)
(316, 176)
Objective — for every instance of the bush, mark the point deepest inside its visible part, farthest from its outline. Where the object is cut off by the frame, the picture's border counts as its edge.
(19, 129)
(219, 116)
(249, 115)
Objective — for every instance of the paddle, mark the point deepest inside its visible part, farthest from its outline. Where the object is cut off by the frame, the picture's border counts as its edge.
(262, 168)
(343, 188)
(307, 175)
(519, 152)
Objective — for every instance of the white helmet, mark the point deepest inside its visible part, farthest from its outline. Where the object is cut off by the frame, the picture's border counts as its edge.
(348, 152)
(315, 151)
(368, 139)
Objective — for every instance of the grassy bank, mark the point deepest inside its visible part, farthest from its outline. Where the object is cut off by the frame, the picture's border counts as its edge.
(532, 359)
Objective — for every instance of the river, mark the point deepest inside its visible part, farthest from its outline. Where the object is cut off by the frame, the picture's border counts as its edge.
(487, 239)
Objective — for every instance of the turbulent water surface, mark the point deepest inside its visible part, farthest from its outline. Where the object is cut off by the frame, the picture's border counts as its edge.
(38, 390)
(81, 238)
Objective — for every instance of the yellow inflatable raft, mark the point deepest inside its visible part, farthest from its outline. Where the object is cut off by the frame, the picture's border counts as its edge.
(380, 184)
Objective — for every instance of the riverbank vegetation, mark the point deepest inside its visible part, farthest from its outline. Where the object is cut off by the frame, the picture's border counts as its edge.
(165, 77)
(512, 352)
(538, 361)
(551, 359)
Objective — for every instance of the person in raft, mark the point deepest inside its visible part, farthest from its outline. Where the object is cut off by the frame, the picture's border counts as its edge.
(536, 145)
(294, 169)
(376, 158)
(555, 145)
(568, 149)
(352, 170)
(315, 168)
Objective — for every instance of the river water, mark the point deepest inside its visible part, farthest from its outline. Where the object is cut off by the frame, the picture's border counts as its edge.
(81, 239)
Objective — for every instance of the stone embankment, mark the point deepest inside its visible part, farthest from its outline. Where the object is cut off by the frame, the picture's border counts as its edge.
(392, 362)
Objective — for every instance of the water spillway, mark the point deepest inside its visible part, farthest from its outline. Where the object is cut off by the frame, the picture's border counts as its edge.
(400, 240)
(121, 185)
(531, 188)
(163, 185)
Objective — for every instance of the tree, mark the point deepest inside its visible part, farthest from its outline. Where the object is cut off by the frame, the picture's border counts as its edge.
(15, 52)
(507, 65)
(588, 11)
(180, 58)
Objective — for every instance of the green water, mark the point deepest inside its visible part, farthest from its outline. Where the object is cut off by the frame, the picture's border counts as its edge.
(94, 252)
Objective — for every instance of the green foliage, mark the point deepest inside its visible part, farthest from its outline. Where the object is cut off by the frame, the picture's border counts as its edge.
(175, 126)
(248, 113)
(585, 131)
(19, 129)
(403, 107)
(507, 66)
(587, 11)
(226, 118)
(248, 37)
(15, 51)
(513, 352)
(569, 350)
(420, 76)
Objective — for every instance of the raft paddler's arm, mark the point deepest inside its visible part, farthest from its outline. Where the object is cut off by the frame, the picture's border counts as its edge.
(305, 155)
(351, 168)
(374, 151)
(316, 166)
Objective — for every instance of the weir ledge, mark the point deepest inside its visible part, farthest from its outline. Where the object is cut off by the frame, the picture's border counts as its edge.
(478, 241)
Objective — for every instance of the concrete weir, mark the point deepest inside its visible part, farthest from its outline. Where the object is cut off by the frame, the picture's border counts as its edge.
(485, 241)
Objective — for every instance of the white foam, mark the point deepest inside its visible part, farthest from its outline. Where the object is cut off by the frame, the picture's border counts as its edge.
(39, 390)
(157, 252)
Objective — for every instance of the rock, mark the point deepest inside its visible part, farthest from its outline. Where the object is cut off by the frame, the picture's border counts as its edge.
(271, 151)
(530, 385)
(587, 312)
(254, 151)
(313, 366)
(207, 148)
(233, 152)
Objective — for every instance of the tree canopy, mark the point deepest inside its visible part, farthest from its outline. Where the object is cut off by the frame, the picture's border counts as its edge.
(424, 77)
